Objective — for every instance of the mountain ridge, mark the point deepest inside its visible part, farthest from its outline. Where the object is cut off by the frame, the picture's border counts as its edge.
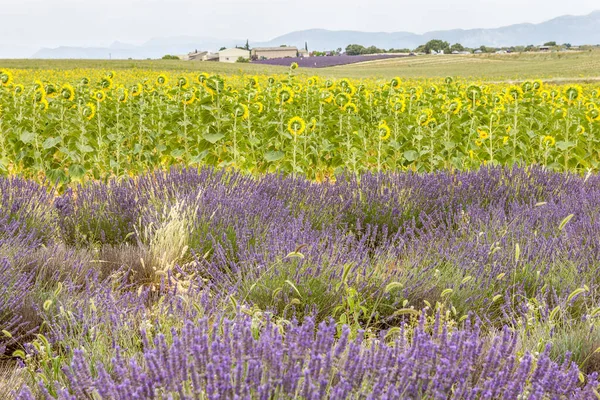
(574, 29)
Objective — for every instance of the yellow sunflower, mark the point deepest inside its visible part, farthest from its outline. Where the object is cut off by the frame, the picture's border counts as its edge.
(6, 78)
(241, 111)
(296, 125)
(593, 114)
(88, 111)
(285, 95)
(384, 130)
(161, 80)
(259, 107)
(188, 97)
(136, 90)
(19, 89)
(123, 95)
(99, 96)
(350, 108)
(395, 82)
(67, 92)
(483, 134)
(549, 140)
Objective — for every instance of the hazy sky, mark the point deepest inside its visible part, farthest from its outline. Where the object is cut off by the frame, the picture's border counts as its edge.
(27, 25)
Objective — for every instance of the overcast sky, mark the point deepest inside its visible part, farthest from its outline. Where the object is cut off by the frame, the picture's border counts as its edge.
(27, 25)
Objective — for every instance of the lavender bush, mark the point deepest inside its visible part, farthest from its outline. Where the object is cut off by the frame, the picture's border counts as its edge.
(107, 270)
(308, 362)
(329, 61)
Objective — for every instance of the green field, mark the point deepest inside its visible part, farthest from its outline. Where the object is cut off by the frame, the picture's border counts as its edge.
(572, 65)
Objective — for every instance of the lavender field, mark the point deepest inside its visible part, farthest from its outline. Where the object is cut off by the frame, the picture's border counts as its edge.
(197, 284)
(321, 62)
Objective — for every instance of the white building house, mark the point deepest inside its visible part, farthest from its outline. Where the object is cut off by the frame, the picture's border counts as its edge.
(232, 55)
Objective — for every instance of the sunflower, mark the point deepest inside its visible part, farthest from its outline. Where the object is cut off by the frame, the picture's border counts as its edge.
(350, 108)
(285, 95)
(384, 130)
(44, 104)
(395, 82)
(433, 89)
(573, 93)
(294, 66)
(399, 107)
(538, 85)
(559, 112)
(6, 78)
(241, 111)
(527, 86)
(580, 130)
(215, 84)
(136, 90)
(483, 134)
(19, 89)
(424, 116)
(296, 125)
(111, 75)
(122, 95)
(593, 114)
(183, 82)
(67, 92)
(88, 111)
(448, 80)
(259, 107)
(514, 93)
(106, 83)
(202, 77)
(326, 96)
(313, 81)
(84, 81)
(350, 90)
(342, 99)
(549, 140)
(505, 139)
(312, 125)
(38, 95)
(329, 84)
(99, 96)
(473, 92)
(161, 80)
(253, 82)
(188, 97)
(453, 106)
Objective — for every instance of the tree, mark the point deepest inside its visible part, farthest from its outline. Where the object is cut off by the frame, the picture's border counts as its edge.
(170, 57)
(247, 47)
(553, 43)
(242, 60)
(355, 49)
(223, 48)
(457, 47)
(435, 44)
(306, 46)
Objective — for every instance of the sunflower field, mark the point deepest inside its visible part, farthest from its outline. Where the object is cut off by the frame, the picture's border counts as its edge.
(90, 124)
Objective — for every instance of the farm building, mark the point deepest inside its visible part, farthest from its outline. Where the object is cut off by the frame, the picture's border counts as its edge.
(202, 56)
(267, 53)
(303, 53)
(544, 48)
(232, 55)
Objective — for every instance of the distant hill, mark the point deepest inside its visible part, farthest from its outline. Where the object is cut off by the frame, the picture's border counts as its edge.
(566, 29)
(577, 30)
